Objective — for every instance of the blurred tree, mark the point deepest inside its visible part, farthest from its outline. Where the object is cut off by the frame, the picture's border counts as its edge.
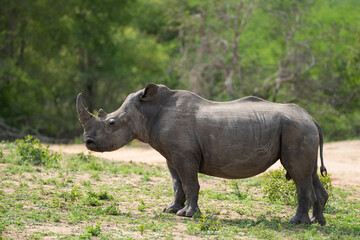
(209, 35)
(50, 51)
(306, 52)
(336, 73)
(296, 57)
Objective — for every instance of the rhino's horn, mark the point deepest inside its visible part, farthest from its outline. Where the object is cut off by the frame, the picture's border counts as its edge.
(102, 113)
(84, 115)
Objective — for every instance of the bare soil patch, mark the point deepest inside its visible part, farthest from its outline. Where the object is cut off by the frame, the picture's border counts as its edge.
(342, 159)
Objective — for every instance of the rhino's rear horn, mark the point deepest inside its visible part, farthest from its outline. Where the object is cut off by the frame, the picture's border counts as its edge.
(84, 115)
(101, 113)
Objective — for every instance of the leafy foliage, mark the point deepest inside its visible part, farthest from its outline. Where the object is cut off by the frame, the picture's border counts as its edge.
(278, 50)
(32, 152)
(113, 209)
(93, 230)
(236, 191)
(209, 223)
(277, 188)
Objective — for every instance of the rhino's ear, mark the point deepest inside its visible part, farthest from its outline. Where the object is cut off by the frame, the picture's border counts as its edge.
(101, 113)
(149, 92)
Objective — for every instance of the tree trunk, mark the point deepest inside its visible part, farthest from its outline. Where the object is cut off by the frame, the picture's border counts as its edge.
(228, 83)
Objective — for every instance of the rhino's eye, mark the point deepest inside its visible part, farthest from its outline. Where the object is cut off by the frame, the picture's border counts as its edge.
(111, 122)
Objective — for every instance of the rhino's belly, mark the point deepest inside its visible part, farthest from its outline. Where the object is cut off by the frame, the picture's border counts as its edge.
(237, 169)
(240, 146)
(239, 163)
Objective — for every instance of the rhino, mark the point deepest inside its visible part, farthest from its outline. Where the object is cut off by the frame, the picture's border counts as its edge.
(233, 140)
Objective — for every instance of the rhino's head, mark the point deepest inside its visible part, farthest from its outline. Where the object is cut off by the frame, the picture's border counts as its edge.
(108, 132)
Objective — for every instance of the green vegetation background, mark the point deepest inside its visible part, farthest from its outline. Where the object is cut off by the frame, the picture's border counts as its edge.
(304, 52)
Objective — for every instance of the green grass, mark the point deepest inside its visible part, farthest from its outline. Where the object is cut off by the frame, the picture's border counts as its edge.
(83, 197)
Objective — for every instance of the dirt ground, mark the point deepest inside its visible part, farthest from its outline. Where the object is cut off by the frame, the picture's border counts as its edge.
(342, 159)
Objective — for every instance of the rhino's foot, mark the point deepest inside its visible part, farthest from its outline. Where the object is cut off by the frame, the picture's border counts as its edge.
(300, 220)
(188, 211)
(173, 208)
(320, 220)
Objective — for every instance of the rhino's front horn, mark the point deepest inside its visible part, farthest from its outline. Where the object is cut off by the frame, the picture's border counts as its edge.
(83, 114)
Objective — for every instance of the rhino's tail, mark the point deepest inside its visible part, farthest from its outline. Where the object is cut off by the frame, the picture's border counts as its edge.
(323, 170)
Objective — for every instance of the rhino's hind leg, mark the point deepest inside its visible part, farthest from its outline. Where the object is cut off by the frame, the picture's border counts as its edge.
(306, 197)
(288, 177)
(299, 149)
(302, 175)
(321, 198)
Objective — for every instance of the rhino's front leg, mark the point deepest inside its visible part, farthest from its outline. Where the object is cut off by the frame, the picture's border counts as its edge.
(191, 189)
(179, 195)
(187, 170)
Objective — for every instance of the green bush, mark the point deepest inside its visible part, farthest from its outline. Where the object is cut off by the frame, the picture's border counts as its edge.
(85, 157)
(209, 224)
(93, 230)
(276, 188)
(32, 152)
(104, 195)
(236, 191)
(113, 209)
(94, 199)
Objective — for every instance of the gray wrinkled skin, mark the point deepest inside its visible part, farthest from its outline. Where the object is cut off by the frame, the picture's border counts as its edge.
(236, 139)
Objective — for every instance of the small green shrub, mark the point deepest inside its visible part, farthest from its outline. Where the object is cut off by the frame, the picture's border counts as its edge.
(104, 195)
(75, 194)
(142, 228)
(276, 188)
(86, 162)
(95, 176)
(142, 206)
(94, 165)
(86, 183)
(236, 191)
(32, 152)
(84, 157)
(327, 184)
(92, 199)
(209, 224)
(93, 230)
(56, 218)
(113, 209)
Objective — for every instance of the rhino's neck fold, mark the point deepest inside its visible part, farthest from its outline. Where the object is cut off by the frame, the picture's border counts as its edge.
(141, 133)
(144, 126)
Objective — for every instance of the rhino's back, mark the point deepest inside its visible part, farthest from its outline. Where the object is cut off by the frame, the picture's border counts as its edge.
(241, 138)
